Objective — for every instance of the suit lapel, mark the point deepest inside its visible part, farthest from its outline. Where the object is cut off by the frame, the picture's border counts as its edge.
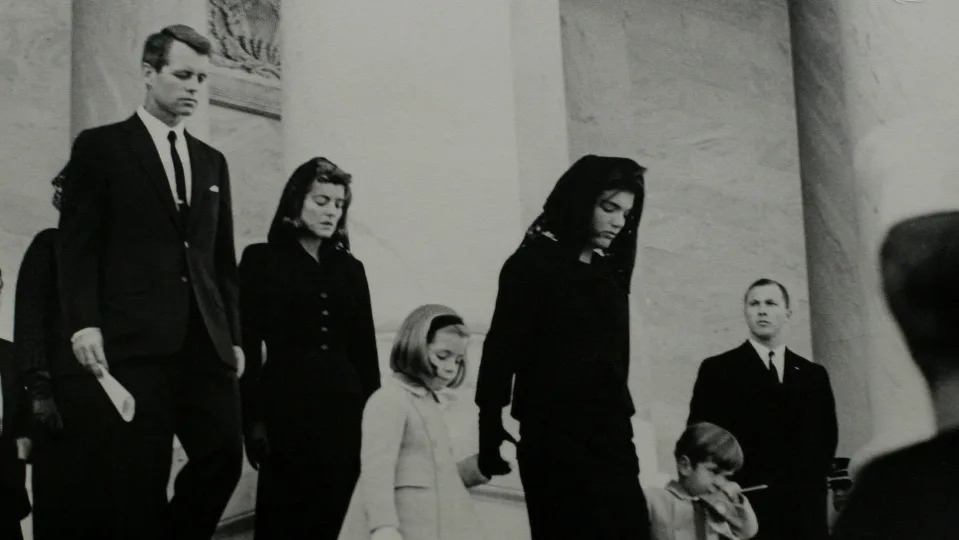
(141, 145)
(201, 179)
(791, 370)
(755, 366)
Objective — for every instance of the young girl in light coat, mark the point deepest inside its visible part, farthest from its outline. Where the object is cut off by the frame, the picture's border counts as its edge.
(410, 486)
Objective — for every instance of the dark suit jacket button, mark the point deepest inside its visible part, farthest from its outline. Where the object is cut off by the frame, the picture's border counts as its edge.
(186, 244)
(325, 312)
(183, 279)
(324, 329)
(325, 347)
(323, 295)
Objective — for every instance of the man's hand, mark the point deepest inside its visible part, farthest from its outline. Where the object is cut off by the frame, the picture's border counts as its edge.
(24, 449)
(386, 533)
(88, 348)
(46, 414)
(240, 360)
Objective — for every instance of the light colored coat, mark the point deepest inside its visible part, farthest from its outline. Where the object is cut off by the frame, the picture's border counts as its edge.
(673, 514)
(409, 478)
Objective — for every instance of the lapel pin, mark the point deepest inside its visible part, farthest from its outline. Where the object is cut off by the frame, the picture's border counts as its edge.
(215, 189)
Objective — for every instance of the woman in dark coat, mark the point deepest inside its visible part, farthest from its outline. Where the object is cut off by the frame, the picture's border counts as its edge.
(72, 417)
(561, 327)
(306, 298)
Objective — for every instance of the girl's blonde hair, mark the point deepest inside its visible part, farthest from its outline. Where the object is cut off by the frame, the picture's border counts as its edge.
(410, 355)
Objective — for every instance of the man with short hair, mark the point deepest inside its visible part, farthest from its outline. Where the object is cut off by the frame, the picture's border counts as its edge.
(780, 407)
(148, 285)
(911, 493)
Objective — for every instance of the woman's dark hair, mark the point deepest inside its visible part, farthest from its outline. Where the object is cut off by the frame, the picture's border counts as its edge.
(568, 212)
(286, 223)
(57, 184)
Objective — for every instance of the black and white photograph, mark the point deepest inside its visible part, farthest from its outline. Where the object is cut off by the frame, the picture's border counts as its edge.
(479, 270)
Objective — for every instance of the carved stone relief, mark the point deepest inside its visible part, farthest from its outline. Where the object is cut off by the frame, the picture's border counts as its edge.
(246, 55)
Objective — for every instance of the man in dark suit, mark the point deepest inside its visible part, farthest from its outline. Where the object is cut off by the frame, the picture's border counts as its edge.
(780, 407)
(148, 287)
(911, 493)
(14, 503)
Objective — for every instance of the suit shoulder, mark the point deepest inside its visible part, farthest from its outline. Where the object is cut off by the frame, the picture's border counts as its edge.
(106, 130)
(204, 146)
(904, 485)
(807, 364)
(724, 357)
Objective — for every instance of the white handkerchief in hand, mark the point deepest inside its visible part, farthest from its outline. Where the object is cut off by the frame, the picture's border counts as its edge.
(121, 398)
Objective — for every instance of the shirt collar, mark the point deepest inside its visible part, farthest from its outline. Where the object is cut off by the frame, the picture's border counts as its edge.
(158, 130)
(763, 350)
(678, 491)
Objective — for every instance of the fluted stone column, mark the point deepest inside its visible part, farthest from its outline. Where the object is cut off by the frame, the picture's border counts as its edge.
(865, 73)
(108, 35)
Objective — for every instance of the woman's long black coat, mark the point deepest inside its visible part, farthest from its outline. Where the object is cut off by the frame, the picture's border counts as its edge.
(316, 322)
(561, 327)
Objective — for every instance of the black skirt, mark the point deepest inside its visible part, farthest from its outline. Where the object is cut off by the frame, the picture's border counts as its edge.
(580, 475)
(312, 411)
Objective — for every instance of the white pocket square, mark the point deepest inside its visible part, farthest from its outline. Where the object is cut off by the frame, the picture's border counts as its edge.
(215, 189)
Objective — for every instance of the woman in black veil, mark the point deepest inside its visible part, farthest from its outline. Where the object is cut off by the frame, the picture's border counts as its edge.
(306, 299)
(561, 327)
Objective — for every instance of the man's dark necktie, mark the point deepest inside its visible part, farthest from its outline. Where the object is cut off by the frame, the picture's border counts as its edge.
(181, 203)
(773, 373)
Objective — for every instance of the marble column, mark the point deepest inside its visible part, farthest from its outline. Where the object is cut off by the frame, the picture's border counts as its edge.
(600, 86)
(867, 72)
(108, 35)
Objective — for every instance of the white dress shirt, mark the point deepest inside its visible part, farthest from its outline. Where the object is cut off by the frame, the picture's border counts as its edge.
(158, 132)
(779, 357)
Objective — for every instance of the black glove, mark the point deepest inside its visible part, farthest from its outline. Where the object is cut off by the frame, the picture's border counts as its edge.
(257, 445)
(45, 413)
(491, 436)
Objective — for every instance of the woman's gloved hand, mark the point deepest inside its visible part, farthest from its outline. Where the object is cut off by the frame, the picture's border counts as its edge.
(257, 444)
(492, 434)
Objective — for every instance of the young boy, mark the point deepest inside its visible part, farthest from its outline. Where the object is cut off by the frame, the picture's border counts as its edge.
(703, 503)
